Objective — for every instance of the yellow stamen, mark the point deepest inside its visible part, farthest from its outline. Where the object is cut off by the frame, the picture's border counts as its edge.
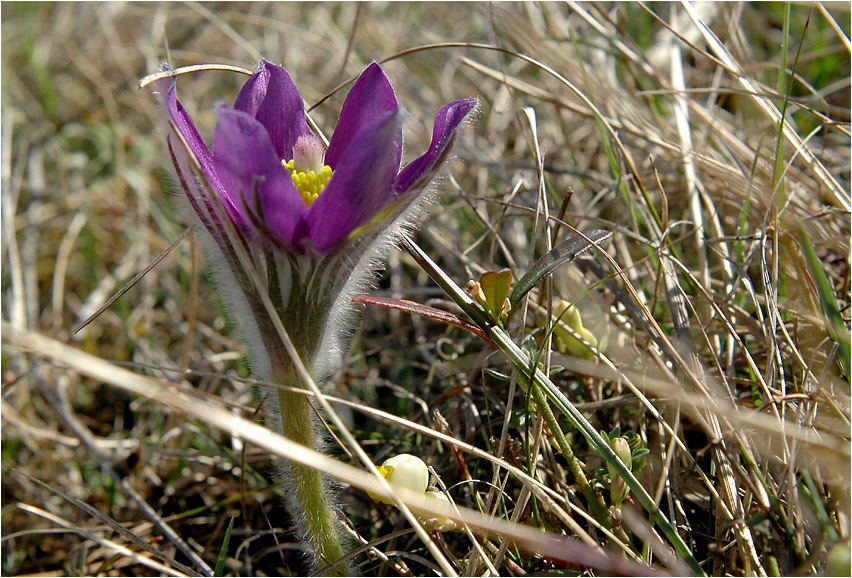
(309, 183)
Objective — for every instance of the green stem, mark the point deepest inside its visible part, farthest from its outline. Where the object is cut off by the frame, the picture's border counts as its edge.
(316, 513)
(520, 360)
(595, 503)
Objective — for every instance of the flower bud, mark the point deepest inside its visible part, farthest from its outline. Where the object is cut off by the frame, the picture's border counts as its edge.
(837, 562)
(619, 490)
(571, 344)
(404, 471)
(622, 450)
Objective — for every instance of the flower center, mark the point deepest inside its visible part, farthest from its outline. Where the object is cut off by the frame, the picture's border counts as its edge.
(309, 173)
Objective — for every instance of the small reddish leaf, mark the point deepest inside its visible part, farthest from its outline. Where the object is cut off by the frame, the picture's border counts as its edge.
(425, 311)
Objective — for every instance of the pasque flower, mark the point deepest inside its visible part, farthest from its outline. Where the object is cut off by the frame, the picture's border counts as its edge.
(315, 221)
(312, 211)
(278, 183)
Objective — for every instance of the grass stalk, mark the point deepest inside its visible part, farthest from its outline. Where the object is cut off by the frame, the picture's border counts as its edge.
(595, 502)
(520, 360)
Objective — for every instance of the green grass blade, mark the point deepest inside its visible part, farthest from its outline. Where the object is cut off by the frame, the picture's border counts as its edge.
(564, 252)
(808, 488)
(828, 302)
(520, 360)
(223, 551)
(779, 147)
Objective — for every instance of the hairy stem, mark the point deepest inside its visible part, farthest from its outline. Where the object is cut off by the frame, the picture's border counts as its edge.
(315, 510)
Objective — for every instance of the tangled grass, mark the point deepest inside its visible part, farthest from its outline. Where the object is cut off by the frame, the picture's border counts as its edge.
(712, 139)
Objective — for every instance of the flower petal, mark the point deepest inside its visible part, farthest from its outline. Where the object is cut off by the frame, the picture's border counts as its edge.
(184, 140)
(361, 185)
(271, 97)
(254, 90)
(251, 171)
(181, 122)
(196, 187)
(419, 172)
(372, 98)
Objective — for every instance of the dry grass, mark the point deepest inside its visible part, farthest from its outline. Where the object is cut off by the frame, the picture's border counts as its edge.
(726, 351)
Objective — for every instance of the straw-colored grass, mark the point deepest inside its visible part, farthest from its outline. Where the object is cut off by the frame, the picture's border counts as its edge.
(720, 305)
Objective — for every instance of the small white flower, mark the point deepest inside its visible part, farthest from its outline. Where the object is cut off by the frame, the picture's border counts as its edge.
(404, 471)
(410, 472)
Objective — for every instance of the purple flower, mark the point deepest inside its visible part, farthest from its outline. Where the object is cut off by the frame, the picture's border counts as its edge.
(315, 223)
(294, 230)
(274, 178)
